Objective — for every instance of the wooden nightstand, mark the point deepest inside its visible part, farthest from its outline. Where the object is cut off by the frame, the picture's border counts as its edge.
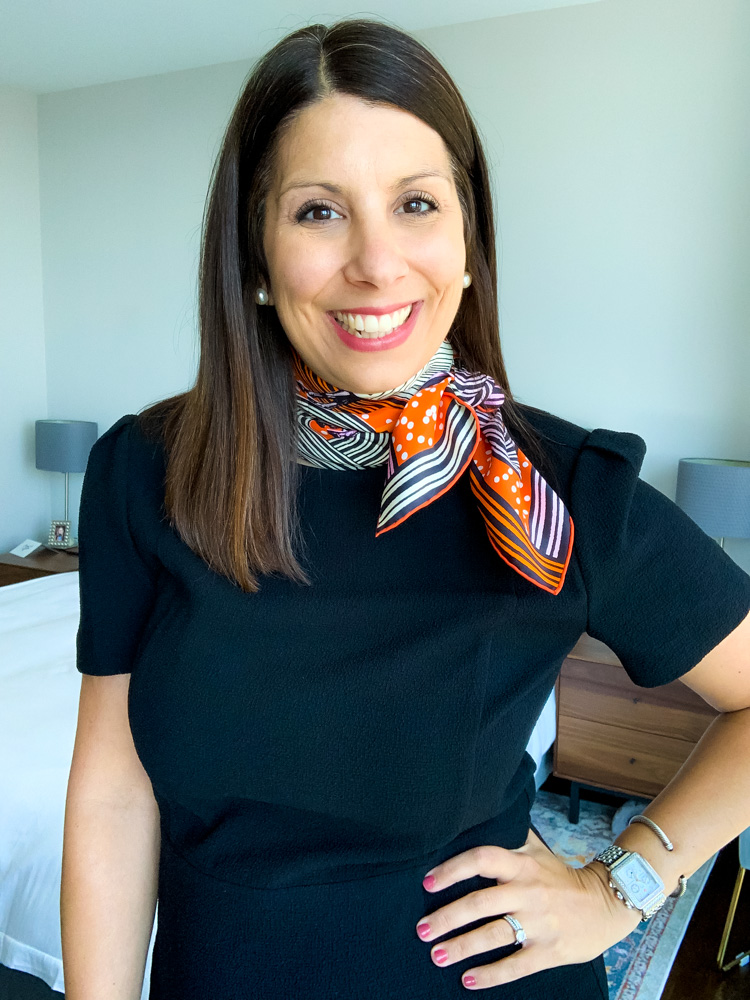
(15, 569)
(615, 736)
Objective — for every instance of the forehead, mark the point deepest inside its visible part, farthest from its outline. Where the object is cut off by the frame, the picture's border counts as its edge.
(342, 140)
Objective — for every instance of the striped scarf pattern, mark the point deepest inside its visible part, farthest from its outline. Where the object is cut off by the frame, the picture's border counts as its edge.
(427, 432)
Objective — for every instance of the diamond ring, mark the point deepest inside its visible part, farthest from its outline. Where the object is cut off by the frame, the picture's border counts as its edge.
(519, 931)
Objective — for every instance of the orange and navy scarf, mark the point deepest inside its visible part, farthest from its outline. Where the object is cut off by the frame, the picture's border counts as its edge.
(429, 430)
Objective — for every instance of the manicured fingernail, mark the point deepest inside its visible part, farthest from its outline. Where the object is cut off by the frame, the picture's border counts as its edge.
(428, 881)
(469, 981)
(423, 930)
(440, 955)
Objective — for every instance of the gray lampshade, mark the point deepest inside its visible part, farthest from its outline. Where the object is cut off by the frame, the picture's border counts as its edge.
(64, 445)
(715, 492)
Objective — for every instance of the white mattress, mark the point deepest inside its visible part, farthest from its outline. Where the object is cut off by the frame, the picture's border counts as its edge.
(39, 689)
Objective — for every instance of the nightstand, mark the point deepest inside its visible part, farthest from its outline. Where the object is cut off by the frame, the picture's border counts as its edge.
(615, 736)
(43, 562)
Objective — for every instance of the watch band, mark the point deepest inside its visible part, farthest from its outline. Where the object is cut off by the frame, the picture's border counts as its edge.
(610, 857)
(611, 854)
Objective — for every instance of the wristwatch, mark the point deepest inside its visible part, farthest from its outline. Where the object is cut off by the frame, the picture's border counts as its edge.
(634, 880)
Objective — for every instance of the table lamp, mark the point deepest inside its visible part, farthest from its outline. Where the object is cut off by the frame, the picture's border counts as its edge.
(715, 492)
(63, 446)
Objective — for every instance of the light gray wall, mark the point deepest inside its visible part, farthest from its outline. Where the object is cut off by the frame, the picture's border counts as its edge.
(124, 173)
(615, 132)
(24, 491)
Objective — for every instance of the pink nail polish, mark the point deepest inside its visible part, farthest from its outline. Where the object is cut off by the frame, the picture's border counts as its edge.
(428, 881)
(440, 955)
(423, 930)
(469, 981)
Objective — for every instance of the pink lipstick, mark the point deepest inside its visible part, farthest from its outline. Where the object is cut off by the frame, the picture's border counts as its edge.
(384, 343)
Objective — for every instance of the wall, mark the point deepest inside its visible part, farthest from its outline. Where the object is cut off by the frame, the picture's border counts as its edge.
(24, 491)
(124, 173)
(615, 135)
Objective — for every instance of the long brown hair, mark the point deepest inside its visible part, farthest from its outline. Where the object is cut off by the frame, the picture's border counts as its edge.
(232, 476)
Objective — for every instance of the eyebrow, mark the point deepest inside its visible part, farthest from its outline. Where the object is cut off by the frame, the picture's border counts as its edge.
(335, 189)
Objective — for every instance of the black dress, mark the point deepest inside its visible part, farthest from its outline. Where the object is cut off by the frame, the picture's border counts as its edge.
(314, 751)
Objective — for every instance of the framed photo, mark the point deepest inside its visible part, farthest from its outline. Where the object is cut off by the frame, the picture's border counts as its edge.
(59, 534)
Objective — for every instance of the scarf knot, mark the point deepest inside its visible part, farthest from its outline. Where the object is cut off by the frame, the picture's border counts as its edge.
(477, 389)
(428, 431)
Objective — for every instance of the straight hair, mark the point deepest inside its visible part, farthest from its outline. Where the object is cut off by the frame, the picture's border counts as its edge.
(230, 441)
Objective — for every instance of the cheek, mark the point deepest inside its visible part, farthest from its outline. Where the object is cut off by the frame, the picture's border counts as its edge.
(302, 271)
(441, 260)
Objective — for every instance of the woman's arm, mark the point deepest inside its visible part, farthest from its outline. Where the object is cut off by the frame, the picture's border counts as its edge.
(570, 915)
(111, 846)
(707, 803)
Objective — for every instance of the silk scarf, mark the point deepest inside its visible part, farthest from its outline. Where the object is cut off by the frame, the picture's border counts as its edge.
(427, 432)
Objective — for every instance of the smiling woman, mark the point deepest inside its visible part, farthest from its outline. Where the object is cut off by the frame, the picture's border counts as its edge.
(338, 755)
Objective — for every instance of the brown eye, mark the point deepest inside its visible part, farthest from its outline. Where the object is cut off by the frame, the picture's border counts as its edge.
(420, 200)
(313, 206)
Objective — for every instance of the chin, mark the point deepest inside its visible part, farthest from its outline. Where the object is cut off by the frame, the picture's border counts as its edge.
(389, 381)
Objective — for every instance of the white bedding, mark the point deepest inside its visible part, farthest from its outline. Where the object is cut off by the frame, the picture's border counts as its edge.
(39, 688)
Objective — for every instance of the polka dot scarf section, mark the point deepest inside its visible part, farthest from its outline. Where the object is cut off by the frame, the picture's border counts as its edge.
(428, 431)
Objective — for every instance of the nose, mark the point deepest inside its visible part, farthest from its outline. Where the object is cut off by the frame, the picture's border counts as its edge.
(375, 257)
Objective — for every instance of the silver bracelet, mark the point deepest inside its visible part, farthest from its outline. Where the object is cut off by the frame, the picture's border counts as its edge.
(667, 843)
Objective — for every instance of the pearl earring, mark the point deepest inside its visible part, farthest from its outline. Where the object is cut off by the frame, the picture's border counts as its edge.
(467, 279)
(261, 296)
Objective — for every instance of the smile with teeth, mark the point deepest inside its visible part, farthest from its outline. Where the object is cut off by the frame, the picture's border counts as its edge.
(371, 327)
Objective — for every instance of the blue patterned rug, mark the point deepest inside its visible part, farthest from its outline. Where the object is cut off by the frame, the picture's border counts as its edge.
(637, 966)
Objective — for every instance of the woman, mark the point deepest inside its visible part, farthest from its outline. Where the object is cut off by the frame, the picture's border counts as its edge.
(319, 762)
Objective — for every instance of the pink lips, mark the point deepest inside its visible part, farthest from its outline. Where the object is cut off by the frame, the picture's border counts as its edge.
(381, 343)
(375, 310)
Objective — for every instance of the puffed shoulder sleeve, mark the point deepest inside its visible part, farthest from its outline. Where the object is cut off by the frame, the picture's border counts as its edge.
(116, 573)
(661, 593)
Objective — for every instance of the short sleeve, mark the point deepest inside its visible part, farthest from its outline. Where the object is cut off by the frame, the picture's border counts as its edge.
(661, 593)
(116, 578)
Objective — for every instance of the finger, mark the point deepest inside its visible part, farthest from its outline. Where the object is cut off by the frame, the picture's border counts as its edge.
(487, 860)
(489, 937)
(492, 901)
(523, 962)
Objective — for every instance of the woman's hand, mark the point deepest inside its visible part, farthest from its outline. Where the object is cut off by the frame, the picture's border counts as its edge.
(570, 915)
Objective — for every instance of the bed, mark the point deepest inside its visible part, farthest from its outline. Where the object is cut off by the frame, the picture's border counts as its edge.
(39, 687)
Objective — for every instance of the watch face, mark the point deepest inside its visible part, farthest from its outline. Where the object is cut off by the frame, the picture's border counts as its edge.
(635, 878)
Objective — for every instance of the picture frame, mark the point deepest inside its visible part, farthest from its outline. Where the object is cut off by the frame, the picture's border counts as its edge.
(59, 535)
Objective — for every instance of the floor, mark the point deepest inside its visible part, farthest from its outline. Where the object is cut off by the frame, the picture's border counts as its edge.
(694, 974)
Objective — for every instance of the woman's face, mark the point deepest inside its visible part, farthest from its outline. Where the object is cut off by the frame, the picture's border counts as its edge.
(350, 228)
